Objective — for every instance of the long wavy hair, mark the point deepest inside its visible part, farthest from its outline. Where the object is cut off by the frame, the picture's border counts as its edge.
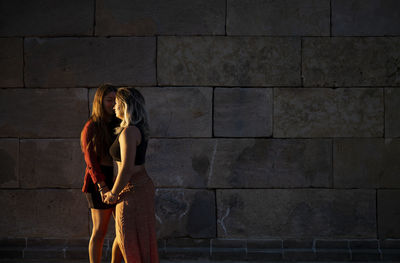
(103, 130)
(133, 106)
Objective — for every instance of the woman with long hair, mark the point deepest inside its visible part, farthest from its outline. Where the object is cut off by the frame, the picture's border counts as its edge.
(96, 137)
(133, 190)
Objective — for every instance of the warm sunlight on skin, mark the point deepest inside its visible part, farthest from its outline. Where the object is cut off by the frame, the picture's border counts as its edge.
(118, 109)
(109, 102)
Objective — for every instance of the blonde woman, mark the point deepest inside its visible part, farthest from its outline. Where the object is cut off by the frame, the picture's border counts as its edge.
(133, 190)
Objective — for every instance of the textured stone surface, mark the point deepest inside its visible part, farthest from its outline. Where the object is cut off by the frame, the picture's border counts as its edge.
(184, 212)
(46, 17)
(313, 112)
(63, 62)
(388, 213)
(51, 163)
(243, 112)
(228, 61)
(392, 113)
(366, 163)
(42, 112)
(9, 153)
(11, 62)
(46, 213)
(180, 163)
(179, 112)
(295, 17)
(341, 61)
(255, 163)
(158, 17)
(365, 17)
(302, 213)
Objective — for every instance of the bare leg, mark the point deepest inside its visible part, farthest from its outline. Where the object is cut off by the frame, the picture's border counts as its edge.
(100, 219)
(116, 256)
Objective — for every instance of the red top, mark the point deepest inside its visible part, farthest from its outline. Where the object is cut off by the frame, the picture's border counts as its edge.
(93, 170)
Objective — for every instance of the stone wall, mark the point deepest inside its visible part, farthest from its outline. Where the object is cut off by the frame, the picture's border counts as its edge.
(269, 119)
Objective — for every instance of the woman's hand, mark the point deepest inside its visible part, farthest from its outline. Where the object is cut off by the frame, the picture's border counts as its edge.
(110, 198)
(103, 191)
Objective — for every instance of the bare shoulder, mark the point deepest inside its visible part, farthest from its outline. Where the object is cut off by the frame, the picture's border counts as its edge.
(131, 134)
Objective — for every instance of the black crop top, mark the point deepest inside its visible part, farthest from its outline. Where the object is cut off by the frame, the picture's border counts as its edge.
(115, 150)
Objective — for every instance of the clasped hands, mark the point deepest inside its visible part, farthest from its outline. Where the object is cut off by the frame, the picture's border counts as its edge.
(107, 196)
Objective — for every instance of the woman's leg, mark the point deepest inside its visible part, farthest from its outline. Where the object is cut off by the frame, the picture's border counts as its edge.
(116, 256)
(100, 219)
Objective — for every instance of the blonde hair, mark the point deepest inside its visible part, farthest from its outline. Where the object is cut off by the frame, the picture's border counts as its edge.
(134, 110)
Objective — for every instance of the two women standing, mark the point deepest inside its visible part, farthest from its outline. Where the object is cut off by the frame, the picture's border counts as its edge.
(133, 191)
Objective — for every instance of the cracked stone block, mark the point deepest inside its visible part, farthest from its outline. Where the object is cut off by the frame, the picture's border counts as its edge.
(9, 154)
(51, 163)
(313, 112)
(188, 166)
(11, 62)
(255, 163)
(392, 113)
(388, 213)
(63, 62)
(49, 213)
(42, 113)
(355, 61)
(365, 18)
(284, 18)
(46, 18)
(157, 17)
(228, 61)
(296, 213)
(366, 163)
(185, 213)
(243, 112)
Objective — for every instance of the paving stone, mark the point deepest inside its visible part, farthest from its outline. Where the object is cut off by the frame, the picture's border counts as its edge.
(185, 213)
(392, 255)
(333, 254)
(179, 112)
(392, 113)
(45, 113)
(313, 112)
(9, 153)
(187, 253)
(12, 242)
(264, 255)
(256, 163)
(11, 61)
(54, 213)
(390, 243)
(188, 166)
(364, 244)
(11, 252)
(355, 61)
(299, 254)
(43, 253)
(63, 62)
(51, 163)
(243, 112)
(228, 61)
(46, 18)
(332, 244)
(365, 255)
(298, 17)
(388, 213)
(366, 163)
(157, 17)
(296, 213)
(264, 244)
(365, 18)
(298, 243)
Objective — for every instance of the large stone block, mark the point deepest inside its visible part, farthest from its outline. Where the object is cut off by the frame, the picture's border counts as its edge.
(179, 112)
(180, 163)
(257, 163)
(185, 213)
(51, 163)
(313, 112)
(340, 61)
(9, 153)
(392, 113)
(63, 62)
(46, 17)
(296, 17)
(11, 62)
(366, 163)
(42, 112)
(158, 17)
(296, 213)
(243, 112)
(365, 17)
(228, 61)
(49, 213)
(388, 213)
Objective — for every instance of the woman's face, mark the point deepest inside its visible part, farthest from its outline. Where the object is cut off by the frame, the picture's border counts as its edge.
(108, 103)
(118, 107)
